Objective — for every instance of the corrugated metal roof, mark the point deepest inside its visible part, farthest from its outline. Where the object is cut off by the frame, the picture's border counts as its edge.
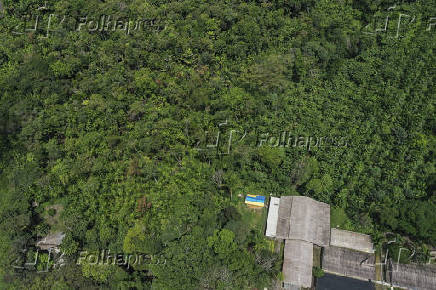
(298, 263)
(283, 221)
(413, 276)
(310, 221)
(273, 213)
(349, 263)
(351, 240)
(303, 218)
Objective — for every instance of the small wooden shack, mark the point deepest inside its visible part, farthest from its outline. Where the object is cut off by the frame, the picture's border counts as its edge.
(52, 241)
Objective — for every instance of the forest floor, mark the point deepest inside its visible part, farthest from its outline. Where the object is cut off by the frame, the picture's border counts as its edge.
(378, 271)
(53, 221)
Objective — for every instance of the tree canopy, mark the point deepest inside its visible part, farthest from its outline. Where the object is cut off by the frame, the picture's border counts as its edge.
(147, 137)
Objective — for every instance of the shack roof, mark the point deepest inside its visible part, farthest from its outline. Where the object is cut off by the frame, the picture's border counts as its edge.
(351, 240)
(413, 276)
(51, 241)
(303, 218)
(297, 263)
(350, 263)
(273, 213)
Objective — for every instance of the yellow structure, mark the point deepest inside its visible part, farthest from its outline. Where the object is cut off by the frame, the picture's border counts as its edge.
(255, 200)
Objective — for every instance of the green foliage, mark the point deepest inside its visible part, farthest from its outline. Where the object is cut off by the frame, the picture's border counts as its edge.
(99, 273)
(317, 272)
(339, 219)
(52, 212)
(138, 240)
(223, 244)
(69, 246)
(104, 120)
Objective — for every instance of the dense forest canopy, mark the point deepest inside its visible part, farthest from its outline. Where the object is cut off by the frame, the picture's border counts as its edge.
(136, 126)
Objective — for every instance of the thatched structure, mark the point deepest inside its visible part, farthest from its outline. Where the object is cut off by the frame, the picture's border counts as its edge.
(273, 214)
(303, 218)
(351, 240)
(297, 263)
(412, 276)
(51, 241)
(349, 263)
